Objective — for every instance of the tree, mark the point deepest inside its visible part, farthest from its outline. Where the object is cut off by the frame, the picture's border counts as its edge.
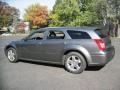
(37, 15)
(72, 13)
(114, 8)
(100, 8)
(84, 12)
(7, 14)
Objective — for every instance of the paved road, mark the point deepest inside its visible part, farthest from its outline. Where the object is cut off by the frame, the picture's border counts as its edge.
(32, 76)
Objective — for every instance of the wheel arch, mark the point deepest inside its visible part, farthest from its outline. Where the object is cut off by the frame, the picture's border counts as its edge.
(82, 51)
(7, 47)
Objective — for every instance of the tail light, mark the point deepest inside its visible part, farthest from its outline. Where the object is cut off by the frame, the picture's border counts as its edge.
(100, 43)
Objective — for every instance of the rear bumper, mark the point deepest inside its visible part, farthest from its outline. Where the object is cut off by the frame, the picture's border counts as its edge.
(103, 58)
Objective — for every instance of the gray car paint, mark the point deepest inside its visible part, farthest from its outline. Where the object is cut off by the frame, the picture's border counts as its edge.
(54, 50)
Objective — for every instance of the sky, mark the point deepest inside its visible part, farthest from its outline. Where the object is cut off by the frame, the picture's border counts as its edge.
(23, 4)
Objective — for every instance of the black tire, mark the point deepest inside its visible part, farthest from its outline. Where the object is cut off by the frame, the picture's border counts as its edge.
(74, 67)
(15, 55)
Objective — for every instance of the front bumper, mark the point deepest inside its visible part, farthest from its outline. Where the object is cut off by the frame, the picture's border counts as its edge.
(103, 58)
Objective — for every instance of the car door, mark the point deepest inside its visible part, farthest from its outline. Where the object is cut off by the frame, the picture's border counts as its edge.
(54, 46)
(32, 48)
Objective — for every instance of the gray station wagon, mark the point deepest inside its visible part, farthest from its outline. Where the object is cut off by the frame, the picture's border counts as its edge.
(73, 47)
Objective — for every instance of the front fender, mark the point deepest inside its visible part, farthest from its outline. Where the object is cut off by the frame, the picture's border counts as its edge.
(8, 46)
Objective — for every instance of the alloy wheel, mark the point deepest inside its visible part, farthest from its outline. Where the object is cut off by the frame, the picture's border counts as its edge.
(11, 55)
(74, 63)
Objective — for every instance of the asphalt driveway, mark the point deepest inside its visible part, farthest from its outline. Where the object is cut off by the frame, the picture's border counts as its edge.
(37, 76)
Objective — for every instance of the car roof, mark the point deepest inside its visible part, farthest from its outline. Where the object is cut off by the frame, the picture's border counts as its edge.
(70, 28)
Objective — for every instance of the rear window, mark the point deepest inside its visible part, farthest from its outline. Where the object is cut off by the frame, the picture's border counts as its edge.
(101, 33)
(78, 34)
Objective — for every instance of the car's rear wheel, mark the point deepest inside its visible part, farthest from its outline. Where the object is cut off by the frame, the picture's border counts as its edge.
(75, 62)
(12, 55)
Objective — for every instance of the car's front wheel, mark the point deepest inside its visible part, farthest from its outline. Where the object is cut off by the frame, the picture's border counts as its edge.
(12, 55)
(75, 62)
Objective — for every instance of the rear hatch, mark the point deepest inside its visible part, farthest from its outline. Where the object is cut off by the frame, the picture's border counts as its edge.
(103, 35)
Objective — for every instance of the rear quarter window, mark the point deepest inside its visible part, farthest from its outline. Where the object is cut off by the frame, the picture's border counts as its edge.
(101, 33)
(78, 34)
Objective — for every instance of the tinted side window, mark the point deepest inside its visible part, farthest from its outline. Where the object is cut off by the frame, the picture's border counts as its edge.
(78, 34)
(101, 33)
(37, 36)
(56, 35)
